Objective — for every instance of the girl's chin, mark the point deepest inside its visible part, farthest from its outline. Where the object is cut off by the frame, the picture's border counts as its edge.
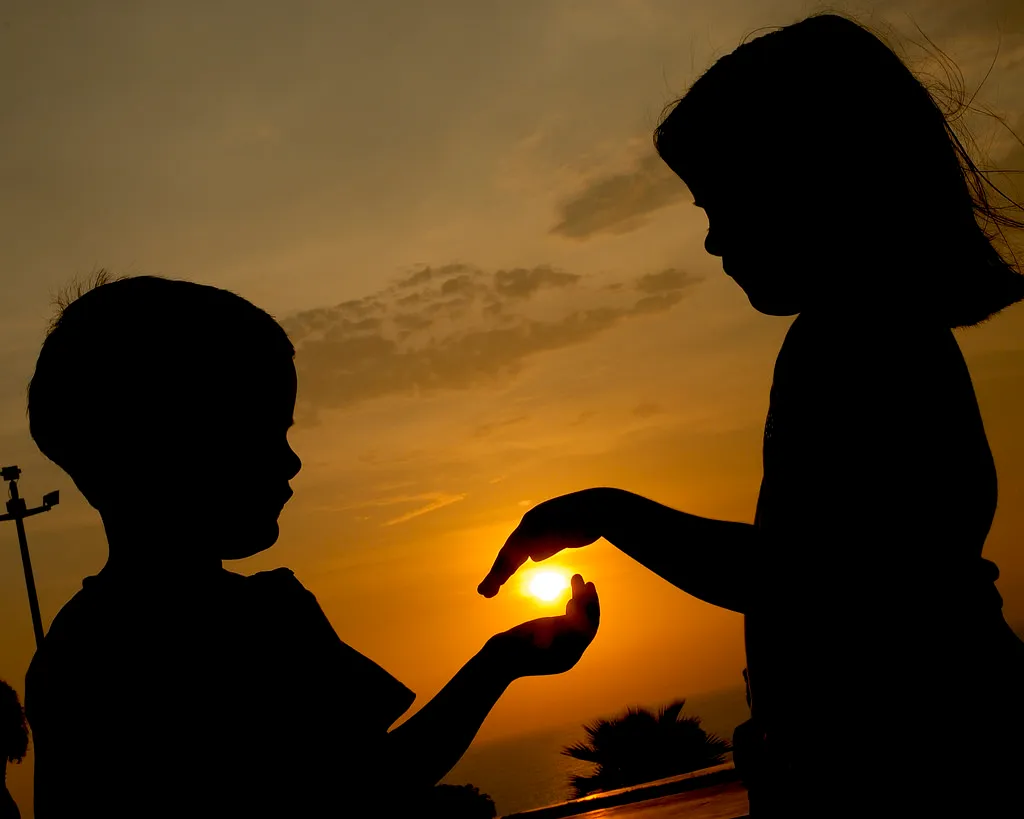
(771, 304)
(773, 308)
(770, 301)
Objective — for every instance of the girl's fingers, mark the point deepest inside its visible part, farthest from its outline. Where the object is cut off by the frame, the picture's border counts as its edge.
(510, 557)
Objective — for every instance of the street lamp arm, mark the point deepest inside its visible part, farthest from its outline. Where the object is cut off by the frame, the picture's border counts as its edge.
(26, 514)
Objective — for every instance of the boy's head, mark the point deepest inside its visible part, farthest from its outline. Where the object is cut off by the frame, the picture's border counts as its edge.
(170, 401)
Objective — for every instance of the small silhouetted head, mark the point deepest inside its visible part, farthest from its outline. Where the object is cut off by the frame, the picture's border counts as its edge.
(170, 401)
(13, 727)
(829, 172)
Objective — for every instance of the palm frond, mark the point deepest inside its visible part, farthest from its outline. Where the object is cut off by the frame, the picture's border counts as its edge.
(582, 751)
(670, 713)
(641, 745)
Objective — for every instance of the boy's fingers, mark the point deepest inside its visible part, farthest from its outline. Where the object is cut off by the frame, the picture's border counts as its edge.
(584, 603)
(592, 606)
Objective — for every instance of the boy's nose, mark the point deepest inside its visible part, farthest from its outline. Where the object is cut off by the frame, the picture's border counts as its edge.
(712, 244)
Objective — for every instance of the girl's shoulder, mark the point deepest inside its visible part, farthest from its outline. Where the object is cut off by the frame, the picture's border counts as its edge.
(838, 348)
(839, 366)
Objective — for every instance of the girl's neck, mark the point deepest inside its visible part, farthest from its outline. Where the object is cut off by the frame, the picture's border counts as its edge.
(849, 308)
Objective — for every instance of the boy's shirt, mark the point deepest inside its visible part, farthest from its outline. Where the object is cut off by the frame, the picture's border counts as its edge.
(233, 696)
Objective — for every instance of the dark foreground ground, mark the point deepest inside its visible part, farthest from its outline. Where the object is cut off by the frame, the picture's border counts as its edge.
(713, 793)
(726, 801)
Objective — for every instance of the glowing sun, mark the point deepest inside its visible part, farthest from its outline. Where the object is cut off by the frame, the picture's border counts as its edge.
(547, 585)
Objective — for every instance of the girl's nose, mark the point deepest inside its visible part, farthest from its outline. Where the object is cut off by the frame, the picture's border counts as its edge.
(294, 464)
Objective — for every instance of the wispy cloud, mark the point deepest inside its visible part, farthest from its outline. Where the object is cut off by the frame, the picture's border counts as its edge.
(456, 326)
(621, 202)
(438, 502)
(486, 429)
(425, 502)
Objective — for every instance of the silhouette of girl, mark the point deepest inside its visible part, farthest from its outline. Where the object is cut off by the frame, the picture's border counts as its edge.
(883, 677)
(13, 743)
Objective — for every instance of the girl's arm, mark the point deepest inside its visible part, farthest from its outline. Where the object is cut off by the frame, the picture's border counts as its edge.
(710, 559)
(707, 558)
(429, 744)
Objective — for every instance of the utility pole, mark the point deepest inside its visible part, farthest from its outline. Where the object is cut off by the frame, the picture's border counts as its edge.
(17, 511)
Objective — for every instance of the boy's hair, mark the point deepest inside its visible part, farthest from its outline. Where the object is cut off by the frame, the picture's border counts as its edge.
(132, 358)
(13, 726)
(829, 103)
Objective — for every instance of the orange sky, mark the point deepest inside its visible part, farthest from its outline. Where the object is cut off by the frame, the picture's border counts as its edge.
(483, 172)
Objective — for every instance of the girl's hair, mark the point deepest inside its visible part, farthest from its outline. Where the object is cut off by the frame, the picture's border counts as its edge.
(13, 727)
(832, 106)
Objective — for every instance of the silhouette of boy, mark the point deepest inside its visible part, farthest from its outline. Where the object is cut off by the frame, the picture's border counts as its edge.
(13, 744)
(170, 686)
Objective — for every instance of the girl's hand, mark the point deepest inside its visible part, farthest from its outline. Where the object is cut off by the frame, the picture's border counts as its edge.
(552, 645)
(566, 522)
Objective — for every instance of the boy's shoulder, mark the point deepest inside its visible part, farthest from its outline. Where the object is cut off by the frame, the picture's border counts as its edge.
(108, 604)
(272, 581)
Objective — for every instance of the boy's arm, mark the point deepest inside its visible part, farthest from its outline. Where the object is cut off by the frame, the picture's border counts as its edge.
(429, 744)
(710, 559)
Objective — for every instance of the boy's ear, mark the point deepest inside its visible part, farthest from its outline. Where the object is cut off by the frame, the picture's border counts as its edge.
(103, 479)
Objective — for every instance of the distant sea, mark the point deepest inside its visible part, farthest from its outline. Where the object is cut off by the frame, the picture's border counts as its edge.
(528, 771)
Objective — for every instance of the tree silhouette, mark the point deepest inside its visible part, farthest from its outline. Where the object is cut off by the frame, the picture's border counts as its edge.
(459, 802)
(13, 744)
(642, 746)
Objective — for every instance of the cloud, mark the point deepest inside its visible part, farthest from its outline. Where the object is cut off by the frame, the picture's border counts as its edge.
(455, 327)
(486, 429)
(522, 283)
(438, 502)
(958, 18)
(433, 502)
(667, 280)
(618, 203)
(427, 274)
(583, 418)
(646, 410)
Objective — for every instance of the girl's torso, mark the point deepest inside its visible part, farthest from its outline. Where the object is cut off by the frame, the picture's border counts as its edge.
(878, 493)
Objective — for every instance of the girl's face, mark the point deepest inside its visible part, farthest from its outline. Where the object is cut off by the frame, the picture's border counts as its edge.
(753, 229)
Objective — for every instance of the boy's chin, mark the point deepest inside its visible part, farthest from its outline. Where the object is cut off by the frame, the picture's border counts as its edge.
(240, 545)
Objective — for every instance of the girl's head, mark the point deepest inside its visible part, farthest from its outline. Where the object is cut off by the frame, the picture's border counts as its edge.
(829, 174)
(13, 727)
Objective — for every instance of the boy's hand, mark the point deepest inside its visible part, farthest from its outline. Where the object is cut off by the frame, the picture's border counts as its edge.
(565, 522)
(552, 645)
